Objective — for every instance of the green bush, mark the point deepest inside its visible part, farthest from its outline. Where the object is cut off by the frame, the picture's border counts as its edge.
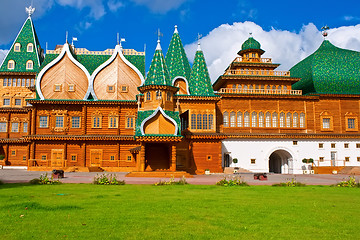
(349, 183)
(44, 180)
(235, 160)
(107, 179)
(290, 183)
(2, 156)
(237, 181)
(1, 182)
(182, 181)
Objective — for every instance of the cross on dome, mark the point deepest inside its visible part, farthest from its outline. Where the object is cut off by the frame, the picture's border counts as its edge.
(30, 10)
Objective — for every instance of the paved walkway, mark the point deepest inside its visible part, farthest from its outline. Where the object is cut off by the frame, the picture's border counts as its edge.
(22, 176)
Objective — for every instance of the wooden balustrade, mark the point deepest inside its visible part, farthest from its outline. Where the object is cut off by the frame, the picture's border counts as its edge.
(258, 72)
(330, 163)
(258, 60)
(260, 91)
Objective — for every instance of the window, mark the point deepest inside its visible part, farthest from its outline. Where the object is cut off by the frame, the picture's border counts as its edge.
(112, 158)
(358, 159)
(347, 159)
(6, 102)
(209, 157)
(3, 126)
(253, 161)
(246, 119)
(226, 119)
(288, 120)
(302, 120)
(333, 145)
(268, 120)
(282, 120)
(32, 82)
(57, 88)
(193, 121)
(29, 65)
(23, 81)
(17, 102)
(59, 121)
(254, 119)
(25, 127)
(346, 145)
(326, 123)
(113, 122)
(75, 122)
(295, 143)
(148, 96)
(15, 127)
(168, 96)
(358, 145)
(321, 145)
(110, 88)
(24, 158)
(27, 82)
(13, 152)
(96, 122)
(73, 157)
(232, 119)
(18, 84)
(211, 121)
(130, 122)
(124, 88)
(14, 82)
(274, 120)
(11, 64)
(295, 120)
(43, 122)
(205, 121)
(43, 157)
(17, 47)
(30, 47)
(71, 88)
(128, 158)
(321, 159)
(158, 94)
(5, 82)
(351, 123)
(198, 122)
(239, 119)
(261, 119)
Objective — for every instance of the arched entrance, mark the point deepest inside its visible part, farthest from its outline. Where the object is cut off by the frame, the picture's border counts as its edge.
(280, 161)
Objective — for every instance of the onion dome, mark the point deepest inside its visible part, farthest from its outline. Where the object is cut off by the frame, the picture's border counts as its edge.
(251, 45)
(329, 70)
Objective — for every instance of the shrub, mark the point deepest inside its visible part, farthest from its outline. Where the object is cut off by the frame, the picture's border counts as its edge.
(310, 160)
(351, 182)
(290, 183)
(107, 179)
(182, 181)
(2, 156)
(236, 181)
(44, 180)
(235, 160)
(1, 182)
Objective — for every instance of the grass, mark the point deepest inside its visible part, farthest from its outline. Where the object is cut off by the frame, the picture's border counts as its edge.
(84, 211)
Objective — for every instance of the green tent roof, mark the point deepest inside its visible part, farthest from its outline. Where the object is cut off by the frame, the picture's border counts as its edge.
(26, 35)
(158, 73)
(329, 70)
(199, 82)
(176, 60)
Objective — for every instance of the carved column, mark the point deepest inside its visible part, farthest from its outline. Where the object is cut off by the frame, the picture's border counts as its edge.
(118, 154)
(84, 119)
(6, 150)
(84, 153)
(32, 150)
(173, 157)
(142, 158)
(65, 154)
(8, 125)
(29, 122)
(33, 121)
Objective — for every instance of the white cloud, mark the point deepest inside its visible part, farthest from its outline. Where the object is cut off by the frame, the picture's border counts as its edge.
(160, 6)
(221, 45)
(2, 55)
(97, 9)
(114, 5)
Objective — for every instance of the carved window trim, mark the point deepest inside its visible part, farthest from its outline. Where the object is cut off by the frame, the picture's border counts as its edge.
(96, 119)
(130, 120)
(354, 122)
(326, 118)
(113, 120)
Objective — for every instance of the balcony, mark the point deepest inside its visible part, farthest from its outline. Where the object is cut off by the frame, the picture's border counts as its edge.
(253, 60)
(260, 91)
(249, 72)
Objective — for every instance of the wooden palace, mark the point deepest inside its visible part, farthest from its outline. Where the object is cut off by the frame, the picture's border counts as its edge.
(82, 110)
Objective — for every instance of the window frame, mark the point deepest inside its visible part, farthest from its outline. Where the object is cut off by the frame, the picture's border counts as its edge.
(42, 120)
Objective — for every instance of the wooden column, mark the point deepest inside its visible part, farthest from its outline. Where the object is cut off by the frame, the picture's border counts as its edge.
(173, 157)
(32, 150)
(118, 153)
(29, 123)
(8, 125)
(84, 119)
(65, 154)
(142, 158)
(84, 153)
(6, 150)
(33, 121)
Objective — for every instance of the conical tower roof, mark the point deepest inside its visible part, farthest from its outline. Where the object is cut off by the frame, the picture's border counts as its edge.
(199, 82)
(158, 73)
(27, 35)
(176, 60)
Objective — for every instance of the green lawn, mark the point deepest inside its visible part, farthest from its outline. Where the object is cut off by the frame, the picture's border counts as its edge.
(84, 211)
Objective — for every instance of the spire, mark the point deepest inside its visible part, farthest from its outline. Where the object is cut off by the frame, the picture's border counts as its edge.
(176, 59)
(24, 49)
(158, 73)
(30, 10)
(199, 47)
(199, 82)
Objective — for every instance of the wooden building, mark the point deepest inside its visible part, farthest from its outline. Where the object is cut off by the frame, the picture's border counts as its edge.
(91, 111)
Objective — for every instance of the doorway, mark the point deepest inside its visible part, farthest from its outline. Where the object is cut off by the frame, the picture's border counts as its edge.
(280, 161)
(57, 157)
(95, 157)
(157, 156)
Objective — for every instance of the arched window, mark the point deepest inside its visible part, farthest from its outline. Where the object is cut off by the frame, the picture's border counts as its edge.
(211, 121)
(261, 119)
(193, 121)
(23, 82)
(205, 121)
(253, 119)
(273, 87)
(295, 120)
(285, 88)
(226, 119)
(279, 87)
(198, 122)
(268, 120)
(251, 87)
(148, 96)
(18, 83)
(9, 82)
(30, 47)
(282, 120)
(158, 94)
(234, 86)
(245, 87)
(274, 120)
(239, 119)
(302, 120)
(5, 82)
(17, 47)
(168, 96)
(232, 119)
(29, 65)
(288, 120)
(11, 64)
(268, 87)
(246, 119)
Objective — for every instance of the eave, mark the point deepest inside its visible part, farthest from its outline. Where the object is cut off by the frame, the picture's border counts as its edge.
(81, 137)
(214, 98)
(292, 136)
(271, 96)
(159, 138)
(15, 110)
(13, 140)
(82, 102)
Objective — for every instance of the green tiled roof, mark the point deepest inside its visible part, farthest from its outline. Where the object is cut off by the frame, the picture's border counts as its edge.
(329, 70)
(158, 73)
(176, 60)
(199, 82)
(26, 35)
(250, 43)
(91, 62)
(144, 114)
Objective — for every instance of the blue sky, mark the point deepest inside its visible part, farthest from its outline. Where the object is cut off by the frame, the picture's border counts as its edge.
(96, 22)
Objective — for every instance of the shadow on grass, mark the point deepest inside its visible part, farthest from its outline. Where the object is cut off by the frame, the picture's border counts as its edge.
(15, 185)
(38, 206)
